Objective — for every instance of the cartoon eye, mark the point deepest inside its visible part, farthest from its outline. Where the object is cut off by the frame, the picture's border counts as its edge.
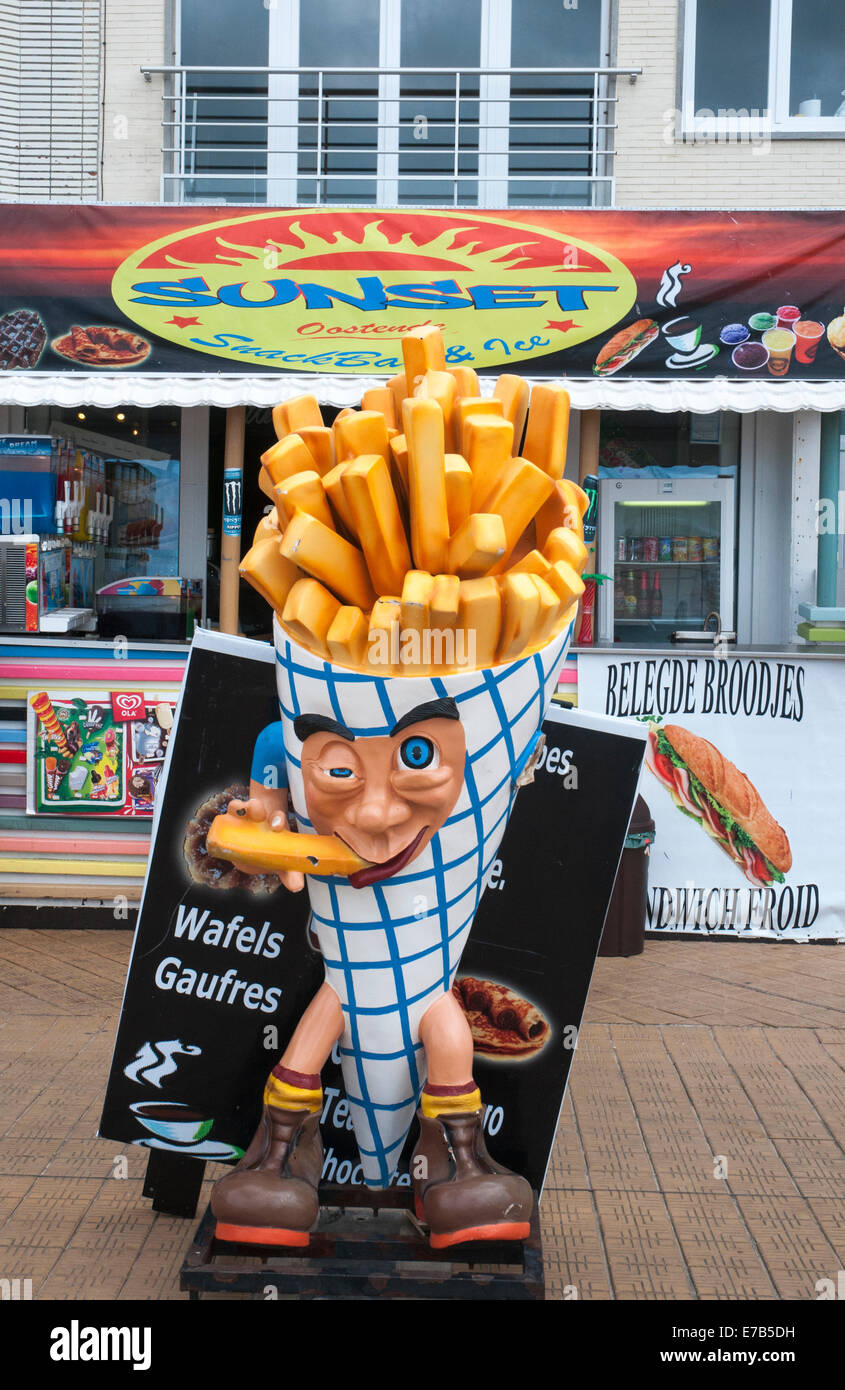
(418, 753)
(340, 771)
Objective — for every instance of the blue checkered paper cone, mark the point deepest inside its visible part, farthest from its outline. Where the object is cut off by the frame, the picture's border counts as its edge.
(393, 948)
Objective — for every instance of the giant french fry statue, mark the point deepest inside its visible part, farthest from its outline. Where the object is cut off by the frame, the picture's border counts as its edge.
(424, 574)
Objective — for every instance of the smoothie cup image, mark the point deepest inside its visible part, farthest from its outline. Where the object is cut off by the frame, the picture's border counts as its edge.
(750, 357)
(808, 334)
(734, 333)
(761, 322)
(683, 334)
(787, 316)
(780, 342)
(392, 941)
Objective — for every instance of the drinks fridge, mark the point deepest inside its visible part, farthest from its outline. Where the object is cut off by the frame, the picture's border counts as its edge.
(669, 545)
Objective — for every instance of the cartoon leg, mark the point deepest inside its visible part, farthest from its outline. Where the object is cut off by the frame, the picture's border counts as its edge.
(460, 1192)
(271, 1197)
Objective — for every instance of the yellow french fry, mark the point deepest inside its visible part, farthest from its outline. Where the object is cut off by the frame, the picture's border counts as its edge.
(563, 544)
(532, 563)
(299, 410)
(346, 639)
(398, 388)
(265, 482)
(520, 611)
(489, 449)
(417, 589)
(399, 464)
(363, 432)
(329, 558)
(458, 490)
(464, 407)
(384, 636)
(566, 582)
(551, 607)
(480, 615)
(319, 441)
(466, 380)
(477, 545)
(563, 508)
(381, 398)
(269, 851)
(268, 528)
(378, 523)
(308, 614)
(440, 387)
(303, 490)
(333, 484)
(522, 489)
(290, 455)
(445, 597)
(422, 351)
(269, 572)
(513, 392)
(548, 428)
(423, 421)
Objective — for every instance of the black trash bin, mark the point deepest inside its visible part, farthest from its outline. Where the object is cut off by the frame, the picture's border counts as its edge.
(624, 928)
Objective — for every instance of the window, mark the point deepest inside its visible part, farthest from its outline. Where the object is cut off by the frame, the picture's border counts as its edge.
(763, 67)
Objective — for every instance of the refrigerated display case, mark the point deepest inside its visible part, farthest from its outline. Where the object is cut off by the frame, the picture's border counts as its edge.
(669, 545)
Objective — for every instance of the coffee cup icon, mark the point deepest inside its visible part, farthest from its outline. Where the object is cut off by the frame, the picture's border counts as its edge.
(683, 334)
(172, 1120)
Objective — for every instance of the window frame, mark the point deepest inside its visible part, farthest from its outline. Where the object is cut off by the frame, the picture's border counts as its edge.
(774, 120)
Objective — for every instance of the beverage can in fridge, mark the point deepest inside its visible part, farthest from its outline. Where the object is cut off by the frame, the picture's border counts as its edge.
(664, 547)
(710, 545)
(651, 549)
(636, 544)
(680, 548)
(621, 548)
(695, 549)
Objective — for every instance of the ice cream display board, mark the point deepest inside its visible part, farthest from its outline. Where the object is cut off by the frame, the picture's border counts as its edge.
(96, 754)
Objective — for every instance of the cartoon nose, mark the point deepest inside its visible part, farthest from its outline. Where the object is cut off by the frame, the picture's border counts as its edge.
(379, 809)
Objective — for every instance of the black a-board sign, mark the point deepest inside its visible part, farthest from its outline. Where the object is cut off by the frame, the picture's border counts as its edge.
(220, 973)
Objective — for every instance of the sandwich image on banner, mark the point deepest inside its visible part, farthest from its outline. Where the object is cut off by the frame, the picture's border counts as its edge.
(708, 787)
(624, 346)
(392, 943)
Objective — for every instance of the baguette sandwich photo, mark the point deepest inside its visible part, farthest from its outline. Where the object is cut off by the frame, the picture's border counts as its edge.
(623, 347)
(709, 788)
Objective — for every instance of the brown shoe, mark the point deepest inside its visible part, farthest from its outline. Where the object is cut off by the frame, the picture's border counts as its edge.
(271, 1197)
(465, 1195)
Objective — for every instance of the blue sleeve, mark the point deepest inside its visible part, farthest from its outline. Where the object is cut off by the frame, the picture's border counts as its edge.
(268, 757)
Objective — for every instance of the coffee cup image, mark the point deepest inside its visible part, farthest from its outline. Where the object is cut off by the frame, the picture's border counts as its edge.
(172, 1120)
(683, 334)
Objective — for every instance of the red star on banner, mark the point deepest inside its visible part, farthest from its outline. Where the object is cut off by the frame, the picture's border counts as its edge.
(183, 322)
(562, 325)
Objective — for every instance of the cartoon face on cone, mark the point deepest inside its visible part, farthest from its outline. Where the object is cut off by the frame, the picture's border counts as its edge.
(417, 774)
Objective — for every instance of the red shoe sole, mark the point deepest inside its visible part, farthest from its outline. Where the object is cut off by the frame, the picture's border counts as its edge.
(505, 1230)
(261, 1235)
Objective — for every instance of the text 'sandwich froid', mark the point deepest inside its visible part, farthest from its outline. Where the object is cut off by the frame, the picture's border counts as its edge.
(707, 786)
(624, 346)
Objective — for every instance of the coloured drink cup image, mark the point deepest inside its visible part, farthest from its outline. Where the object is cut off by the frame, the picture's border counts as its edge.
(750, 357)
(761, 322)
(807, 335)
(788, 316)
(733, 333)
(779, 342)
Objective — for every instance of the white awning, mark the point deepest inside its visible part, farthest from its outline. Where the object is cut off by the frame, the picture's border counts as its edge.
(105, 389)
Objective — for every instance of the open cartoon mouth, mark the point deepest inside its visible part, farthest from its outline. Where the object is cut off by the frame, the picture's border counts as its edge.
(374, 873)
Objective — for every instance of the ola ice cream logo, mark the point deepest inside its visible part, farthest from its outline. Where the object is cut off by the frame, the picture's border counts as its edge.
(334, 291)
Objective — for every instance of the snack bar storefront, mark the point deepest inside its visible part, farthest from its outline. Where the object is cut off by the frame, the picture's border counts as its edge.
(142, 349)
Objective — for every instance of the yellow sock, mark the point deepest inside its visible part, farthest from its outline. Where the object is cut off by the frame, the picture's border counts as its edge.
(289, 1097)
(434, 1105)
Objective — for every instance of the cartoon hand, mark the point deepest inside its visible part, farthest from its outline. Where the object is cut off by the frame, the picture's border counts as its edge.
(273, 806)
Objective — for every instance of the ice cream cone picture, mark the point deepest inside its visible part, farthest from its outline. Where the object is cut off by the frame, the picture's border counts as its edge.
(47, 715)
(423, 603)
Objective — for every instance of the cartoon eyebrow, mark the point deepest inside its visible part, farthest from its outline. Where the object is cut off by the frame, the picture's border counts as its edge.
(432, 709)
(306, 724)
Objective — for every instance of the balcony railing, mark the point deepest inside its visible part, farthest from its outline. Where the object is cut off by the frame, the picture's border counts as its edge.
(476, 137)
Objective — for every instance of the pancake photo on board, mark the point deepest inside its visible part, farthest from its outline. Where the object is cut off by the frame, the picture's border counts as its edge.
(503, 1024)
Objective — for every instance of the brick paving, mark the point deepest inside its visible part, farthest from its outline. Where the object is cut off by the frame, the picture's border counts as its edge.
(699, 1154)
